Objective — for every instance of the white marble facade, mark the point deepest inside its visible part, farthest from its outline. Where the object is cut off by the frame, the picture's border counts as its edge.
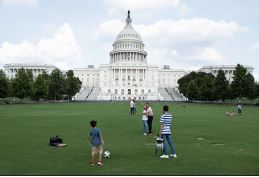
(12, 69)
(228, 70)
(128, 74)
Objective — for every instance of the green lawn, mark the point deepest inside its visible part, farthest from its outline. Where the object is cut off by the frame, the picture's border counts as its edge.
(229, 147)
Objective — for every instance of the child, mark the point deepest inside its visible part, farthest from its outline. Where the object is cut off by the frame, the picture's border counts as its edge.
(97, 141)
(144, 119)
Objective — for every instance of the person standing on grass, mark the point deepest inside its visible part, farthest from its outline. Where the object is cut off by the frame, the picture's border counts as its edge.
(134, 107)
(165, 133)
(239, 108)
(150, 118)
(144, 120)
(131, 107)
(97, 142)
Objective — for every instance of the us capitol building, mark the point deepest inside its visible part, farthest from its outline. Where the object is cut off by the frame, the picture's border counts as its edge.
(128, 75)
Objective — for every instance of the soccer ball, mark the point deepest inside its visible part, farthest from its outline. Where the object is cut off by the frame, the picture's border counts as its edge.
(106, 154)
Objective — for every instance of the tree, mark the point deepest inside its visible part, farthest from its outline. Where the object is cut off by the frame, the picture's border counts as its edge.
(56, 84)
(184, 82)
(257, 90)
(205, 91)
(250, 87)
(22, 85)
(4, 86)
(73, 84)
(220, 86)
(41, 87)
(192, 91)
(238, 85)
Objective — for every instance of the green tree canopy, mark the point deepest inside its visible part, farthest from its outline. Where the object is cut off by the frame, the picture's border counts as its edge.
(238, 85)
(56, 84)
(250, 86)
(220, 86)
(41, 87)
(22, 85)
(4, 86)
(73, 84)
(192, 91)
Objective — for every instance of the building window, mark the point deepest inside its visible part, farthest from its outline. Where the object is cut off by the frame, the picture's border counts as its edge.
(129, 92)
(122, 91)
(116, 91)
(136, 91)
(142, 91)
(109, 90)
(149, 90)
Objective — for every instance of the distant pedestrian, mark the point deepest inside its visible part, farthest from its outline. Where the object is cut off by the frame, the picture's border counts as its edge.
(165, 132)
(131, 107)
(239, 108)
(97, 142)
(150, 118)
(144, 120)
(134, 107)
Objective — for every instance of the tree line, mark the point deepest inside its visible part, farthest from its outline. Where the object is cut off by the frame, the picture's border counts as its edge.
(54, 86)
(206, 87)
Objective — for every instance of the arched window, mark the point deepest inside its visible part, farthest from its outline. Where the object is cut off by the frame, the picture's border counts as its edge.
(129, 92)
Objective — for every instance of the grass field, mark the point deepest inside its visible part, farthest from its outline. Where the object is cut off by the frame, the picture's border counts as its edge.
(229, 146)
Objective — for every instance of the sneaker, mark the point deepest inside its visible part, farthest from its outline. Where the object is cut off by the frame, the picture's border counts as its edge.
(100, 163)
(164, 156)
(173, 155)
(145, 134)
(91, 163)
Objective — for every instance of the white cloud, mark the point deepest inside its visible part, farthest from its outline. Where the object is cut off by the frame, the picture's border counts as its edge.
(117, 6)
(176, 31)
(182, 42)
(255, 46)
(61, 50)
(20, 2)
(109, 29)
(190, 30)
(209, 54)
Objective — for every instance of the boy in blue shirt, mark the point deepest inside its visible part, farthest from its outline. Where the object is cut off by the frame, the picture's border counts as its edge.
(97, 141)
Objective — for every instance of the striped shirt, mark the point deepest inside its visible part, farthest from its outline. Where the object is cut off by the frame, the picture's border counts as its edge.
(166, 120)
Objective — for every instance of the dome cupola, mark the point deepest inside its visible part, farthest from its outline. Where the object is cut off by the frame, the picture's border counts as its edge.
(128, 46)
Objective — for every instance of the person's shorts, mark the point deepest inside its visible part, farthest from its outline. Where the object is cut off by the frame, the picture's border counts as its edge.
(97, 149)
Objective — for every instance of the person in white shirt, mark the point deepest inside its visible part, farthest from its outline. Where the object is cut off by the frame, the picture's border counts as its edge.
(132, 107)
(144, 120)
(150, 118)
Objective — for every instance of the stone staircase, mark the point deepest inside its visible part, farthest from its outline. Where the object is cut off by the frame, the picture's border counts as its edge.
(166, 96)
(94, 93)
(83, 94)
(174, 93)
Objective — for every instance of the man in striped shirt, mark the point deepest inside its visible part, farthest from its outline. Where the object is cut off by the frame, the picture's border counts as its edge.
(165, 133)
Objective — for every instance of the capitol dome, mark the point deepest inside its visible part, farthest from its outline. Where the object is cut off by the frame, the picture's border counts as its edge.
(128, 46)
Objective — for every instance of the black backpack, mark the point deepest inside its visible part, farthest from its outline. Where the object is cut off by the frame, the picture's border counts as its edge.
(54, 141)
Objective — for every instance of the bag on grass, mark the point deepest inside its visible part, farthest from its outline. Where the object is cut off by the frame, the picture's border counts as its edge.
(55, 141)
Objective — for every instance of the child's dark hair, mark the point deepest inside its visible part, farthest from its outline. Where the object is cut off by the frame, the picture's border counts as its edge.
(165, 108)
(93, 123)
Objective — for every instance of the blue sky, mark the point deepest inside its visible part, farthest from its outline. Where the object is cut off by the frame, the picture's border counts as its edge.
(185, 34)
